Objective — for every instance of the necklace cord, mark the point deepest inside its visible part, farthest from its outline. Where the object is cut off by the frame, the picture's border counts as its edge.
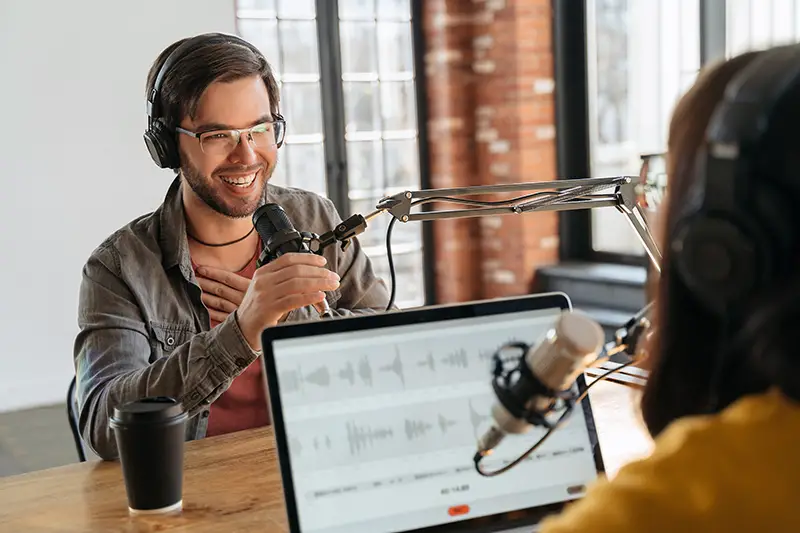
(218, 245)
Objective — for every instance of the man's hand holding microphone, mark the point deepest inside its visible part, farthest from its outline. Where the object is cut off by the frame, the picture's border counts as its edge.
(292, 281)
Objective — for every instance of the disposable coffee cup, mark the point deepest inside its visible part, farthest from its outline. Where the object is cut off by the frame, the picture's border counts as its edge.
(150, 439)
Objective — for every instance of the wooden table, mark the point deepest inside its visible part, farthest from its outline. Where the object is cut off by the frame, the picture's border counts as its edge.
(231, 482)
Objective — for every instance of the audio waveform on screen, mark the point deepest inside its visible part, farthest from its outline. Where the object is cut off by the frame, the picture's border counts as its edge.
(457, 359)
(396, 366)
(442, 426)
(416, 429)
(445, 423)
(319, 376)
(429, 362)
(395, 369)
(360, 437)
(476, 418)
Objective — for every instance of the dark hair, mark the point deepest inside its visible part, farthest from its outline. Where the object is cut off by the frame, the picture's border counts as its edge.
(686, 351)
(212, 59)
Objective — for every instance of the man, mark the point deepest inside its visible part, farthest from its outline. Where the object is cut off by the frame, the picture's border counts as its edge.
(172, 304)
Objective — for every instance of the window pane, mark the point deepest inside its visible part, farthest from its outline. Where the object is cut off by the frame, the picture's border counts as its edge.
(395, 48)
(263, 34)
(375, 234)
(408, 269)
(299, 46)
(752, 25)
(296, 8)
(636, 77)
(302, 107)
(364, 168)
(357, 9)
(358, 48)
(361, 107)
(306, 164)
(256, 5)
(783, 21)
(402, 163)
(280, 175)
(381, 130)
(398, 104)
(394, 9)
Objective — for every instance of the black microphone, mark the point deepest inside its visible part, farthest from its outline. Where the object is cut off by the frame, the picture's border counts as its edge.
(544, 373)
(279, 237)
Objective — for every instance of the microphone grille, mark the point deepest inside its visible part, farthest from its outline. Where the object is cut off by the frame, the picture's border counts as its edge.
(269, 219)
(567, 350)
(580, 333)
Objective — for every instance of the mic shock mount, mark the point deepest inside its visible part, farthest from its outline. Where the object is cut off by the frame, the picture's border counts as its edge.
(511, 371)
(342, 233)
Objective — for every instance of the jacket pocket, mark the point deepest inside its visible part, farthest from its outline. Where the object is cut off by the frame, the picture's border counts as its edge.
(166, 337)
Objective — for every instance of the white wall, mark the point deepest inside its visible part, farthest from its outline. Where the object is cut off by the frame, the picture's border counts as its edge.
(72, 162)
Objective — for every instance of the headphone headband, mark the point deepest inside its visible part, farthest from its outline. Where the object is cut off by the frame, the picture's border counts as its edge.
(153, 97)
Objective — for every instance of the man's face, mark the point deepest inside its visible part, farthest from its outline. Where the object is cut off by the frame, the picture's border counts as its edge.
(231, 181)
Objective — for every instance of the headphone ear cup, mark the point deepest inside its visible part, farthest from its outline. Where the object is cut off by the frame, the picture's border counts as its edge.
(718, 262)
(160, 142)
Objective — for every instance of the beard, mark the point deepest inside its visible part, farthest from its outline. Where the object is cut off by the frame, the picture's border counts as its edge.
(213, 192)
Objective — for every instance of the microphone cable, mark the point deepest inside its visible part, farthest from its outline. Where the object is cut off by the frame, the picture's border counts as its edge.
(390, 259)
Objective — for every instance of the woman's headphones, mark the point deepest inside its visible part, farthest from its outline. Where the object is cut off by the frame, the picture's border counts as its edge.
(736, 231)
(159, 137)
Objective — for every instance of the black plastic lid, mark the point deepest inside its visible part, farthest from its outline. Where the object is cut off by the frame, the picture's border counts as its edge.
(147, 410)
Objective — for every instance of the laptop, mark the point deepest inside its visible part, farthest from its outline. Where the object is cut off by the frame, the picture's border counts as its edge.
(376, 420)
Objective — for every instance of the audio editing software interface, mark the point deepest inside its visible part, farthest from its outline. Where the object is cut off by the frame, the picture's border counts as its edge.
(382, 427)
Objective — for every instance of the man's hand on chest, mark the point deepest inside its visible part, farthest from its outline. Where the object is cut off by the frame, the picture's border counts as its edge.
(223, 291)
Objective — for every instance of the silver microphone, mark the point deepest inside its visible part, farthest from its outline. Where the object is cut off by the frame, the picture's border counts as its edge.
(545, 370)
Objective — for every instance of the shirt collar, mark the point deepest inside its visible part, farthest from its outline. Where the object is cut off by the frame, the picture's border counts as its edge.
(172, 235)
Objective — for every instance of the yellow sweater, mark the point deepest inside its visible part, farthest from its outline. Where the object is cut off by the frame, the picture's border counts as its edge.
(736, 471)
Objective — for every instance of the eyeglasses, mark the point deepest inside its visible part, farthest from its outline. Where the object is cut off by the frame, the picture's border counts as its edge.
(223, 142)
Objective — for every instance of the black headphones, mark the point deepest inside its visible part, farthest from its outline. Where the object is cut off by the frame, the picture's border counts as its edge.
(736, 231)
(159, 137)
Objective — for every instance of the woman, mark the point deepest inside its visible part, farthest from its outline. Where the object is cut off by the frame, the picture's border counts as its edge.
(726, 443)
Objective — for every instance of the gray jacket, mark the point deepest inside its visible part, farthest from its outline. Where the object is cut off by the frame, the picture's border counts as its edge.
(145, 332)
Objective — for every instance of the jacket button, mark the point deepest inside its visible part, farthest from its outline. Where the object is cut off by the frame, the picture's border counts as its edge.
(241, 362)
(170, 341)
(204, 414)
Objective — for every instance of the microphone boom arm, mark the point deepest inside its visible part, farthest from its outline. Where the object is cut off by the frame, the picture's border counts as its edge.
(565, 195)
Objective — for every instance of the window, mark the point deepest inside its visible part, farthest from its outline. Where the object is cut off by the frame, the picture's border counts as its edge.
(642, 56)
(286, 32)
(371, 77)
(754, 25)
(381, 127)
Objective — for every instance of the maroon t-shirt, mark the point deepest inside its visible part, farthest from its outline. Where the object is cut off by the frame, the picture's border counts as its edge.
(244, 404)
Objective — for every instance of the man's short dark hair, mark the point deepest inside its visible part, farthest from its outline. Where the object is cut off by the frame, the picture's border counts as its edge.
(210, 60)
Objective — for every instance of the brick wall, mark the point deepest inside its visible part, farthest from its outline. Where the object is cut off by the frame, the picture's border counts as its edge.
(489, 69)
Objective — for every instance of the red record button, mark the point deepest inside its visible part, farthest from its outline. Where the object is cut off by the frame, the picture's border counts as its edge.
(458, 510)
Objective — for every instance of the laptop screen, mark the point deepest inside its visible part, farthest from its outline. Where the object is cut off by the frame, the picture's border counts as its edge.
(381, 426)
